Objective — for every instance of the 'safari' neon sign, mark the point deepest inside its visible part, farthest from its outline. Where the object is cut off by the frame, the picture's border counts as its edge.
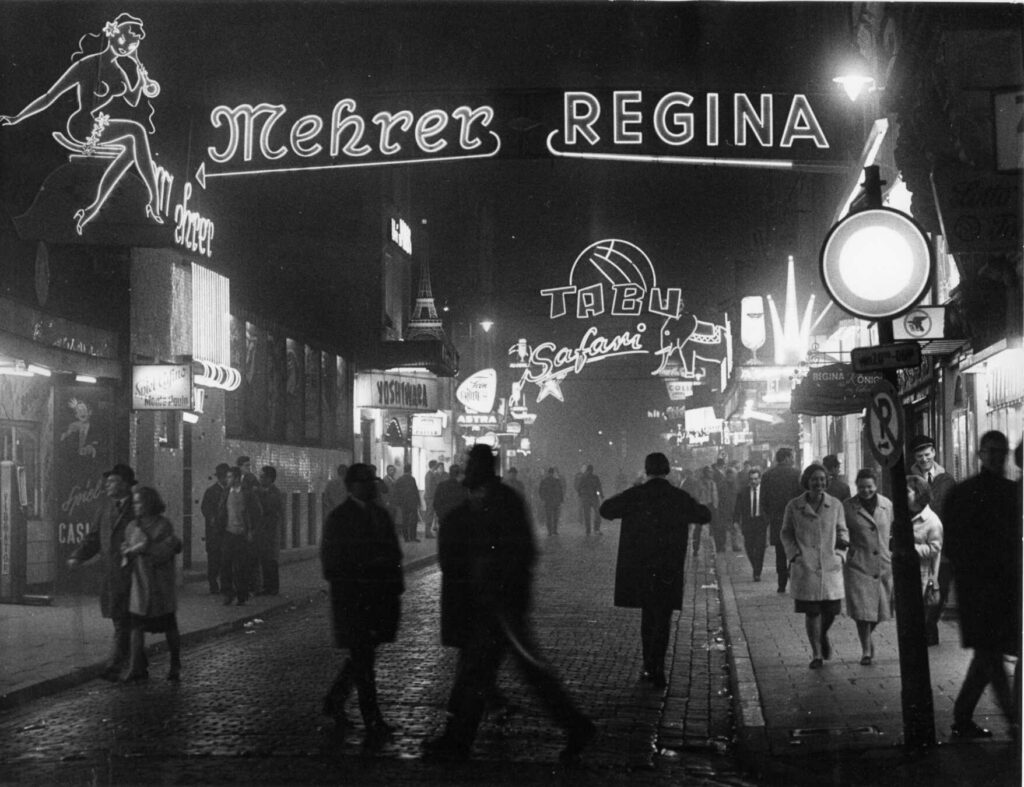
(616, 278)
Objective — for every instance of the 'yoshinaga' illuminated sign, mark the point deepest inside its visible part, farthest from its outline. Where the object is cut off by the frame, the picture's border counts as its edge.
(102, 127)
(615, 278)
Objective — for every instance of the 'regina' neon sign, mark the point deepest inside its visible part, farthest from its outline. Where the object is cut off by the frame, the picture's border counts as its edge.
(616, 278)
(101, 127)
(345, 138)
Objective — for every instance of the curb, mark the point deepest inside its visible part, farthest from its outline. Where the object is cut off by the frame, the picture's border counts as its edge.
(80, 675)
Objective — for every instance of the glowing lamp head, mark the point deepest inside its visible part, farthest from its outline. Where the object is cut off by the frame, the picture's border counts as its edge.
(854, 75)
(487, 325)
(876, 263)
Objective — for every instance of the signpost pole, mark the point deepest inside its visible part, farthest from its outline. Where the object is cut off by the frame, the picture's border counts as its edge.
(915, 677)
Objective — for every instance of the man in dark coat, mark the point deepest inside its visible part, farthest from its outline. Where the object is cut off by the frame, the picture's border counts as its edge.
(487, 552)
(214, 515)
(268, 536)
(837, 485)
(405, 496)
(983, 539)
(588, 487)
(779, 485)
(105, 536)
(551, 495)
(749, 514)
(450, 493)
(656, 519)
(241, 521)
(362, 561)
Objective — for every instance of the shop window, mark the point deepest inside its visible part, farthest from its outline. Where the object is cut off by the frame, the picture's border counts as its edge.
(19, 443)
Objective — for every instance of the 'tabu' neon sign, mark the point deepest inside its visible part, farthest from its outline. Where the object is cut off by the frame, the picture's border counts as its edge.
(615, 278)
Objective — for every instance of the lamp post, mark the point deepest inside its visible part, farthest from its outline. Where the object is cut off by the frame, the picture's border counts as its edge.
(864, 239)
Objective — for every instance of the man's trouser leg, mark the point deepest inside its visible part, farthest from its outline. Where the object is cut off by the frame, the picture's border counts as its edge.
(474, 682)
(781, 566)
(986, 667)
(754, 543)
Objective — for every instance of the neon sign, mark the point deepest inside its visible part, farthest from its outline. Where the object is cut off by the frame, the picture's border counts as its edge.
(313, 144)
(101, 127)
(401, 235)
(616, 277)
(620, 125)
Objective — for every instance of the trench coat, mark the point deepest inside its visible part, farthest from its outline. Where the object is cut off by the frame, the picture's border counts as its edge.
(809, 538)
(362, 561)
(656, 519)
(154, 545)
(486, 551)
(983, 542)
(867, 574)
(104, 538)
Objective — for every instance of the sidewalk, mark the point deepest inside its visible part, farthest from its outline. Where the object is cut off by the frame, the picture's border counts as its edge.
(45, 649)
(843, 723)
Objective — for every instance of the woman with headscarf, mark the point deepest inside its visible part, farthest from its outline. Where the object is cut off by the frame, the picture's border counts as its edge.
(868, 571)
(928, 543)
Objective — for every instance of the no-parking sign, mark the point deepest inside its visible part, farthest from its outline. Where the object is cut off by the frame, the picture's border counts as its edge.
(884, 425)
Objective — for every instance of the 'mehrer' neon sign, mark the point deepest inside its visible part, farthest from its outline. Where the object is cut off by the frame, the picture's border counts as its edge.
(346, 139)
(624, 285)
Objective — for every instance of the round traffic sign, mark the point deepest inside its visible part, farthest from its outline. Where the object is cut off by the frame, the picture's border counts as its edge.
(876, 263)
(884, 425)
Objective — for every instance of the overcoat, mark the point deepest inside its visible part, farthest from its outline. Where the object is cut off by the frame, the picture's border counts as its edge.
(810, 540)
(153, 591)
(983, 542)
(362, 561)
(779, 485)
(928, 544)
(486, 551)
(656, 518)
(104, 539)
(868, 571)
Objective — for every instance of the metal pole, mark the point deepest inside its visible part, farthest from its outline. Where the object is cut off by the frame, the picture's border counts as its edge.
(915, 675)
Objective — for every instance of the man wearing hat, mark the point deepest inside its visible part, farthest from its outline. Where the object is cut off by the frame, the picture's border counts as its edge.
(215, 514)
(104, 538)
(487, 552)
(940, 483)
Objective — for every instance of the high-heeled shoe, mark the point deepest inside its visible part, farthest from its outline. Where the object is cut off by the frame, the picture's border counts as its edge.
(152, 214)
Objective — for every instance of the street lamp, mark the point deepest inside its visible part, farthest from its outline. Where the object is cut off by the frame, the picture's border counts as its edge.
(855, 75)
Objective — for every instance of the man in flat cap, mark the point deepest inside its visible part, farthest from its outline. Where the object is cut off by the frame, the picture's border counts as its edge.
(940, 484)
(106, 533)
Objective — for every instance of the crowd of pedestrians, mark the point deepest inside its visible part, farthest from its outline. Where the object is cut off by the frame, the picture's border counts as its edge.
(832, 547)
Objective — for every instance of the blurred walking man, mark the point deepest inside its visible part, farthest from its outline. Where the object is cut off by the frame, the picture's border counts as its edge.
(656, 518)
(983, 540)
(486, 551)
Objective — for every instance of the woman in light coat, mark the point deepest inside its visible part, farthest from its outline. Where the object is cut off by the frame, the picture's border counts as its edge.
(928, 543)
(868, 571)
(149, 548)
(815, 538)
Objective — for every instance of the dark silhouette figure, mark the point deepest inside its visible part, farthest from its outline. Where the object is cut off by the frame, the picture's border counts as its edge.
(983, 541)
(406, 498)
(105, 536)
(588, 487)
(214, 515)
(779, 485)
(749, 513)
(656, 519)
(551, 494)
(450, 493)
(268, 536)
(487, 552)
(362, 561)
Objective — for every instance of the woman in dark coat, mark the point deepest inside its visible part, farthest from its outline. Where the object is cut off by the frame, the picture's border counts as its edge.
(362, 561)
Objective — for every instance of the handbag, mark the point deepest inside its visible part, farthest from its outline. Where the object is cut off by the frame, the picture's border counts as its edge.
(931, 595)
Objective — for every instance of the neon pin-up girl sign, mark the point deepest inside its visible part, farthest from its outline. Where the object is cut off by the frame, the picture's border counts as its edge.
(101, 128)
(615, 278)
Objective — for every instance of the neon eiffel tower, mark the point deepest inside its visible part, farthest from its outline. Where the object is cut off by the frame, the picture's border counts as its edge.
(424, 323)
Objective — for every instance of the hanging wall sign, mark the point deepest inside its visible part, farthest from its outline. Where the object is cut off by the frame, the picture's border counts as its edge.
(162, 387)
(615, 279)
(476, 393)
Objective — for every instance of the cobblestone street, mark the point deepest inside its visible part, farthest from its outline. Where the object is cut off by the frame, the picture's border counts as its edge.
(247, 708)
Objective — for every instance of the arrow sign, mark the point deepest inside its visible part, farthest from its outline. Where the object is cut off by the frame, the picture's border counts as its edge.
(202, 175)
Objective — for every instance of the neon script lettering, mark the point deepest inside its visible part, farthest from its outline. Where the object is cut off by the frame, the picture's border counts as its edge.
(253, 132)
